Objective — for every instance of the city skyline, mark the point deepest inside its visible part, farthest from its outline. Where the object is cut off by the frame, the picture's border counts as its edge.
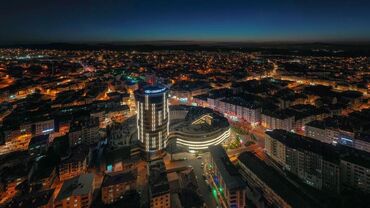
(226, 128)
(185, 103)
(220, 21)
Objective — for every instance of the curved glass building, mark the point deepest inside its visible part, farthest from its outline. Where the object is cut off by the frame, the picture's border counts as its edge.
(197, 128)
(152, 120)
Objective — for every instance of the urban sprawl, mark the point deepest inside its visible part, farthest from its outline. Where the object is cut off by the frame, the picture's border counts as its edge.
(173, 128)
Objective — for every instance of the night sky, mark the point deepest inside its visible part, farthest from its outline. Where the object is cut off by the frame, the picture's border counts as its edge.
(199, 20)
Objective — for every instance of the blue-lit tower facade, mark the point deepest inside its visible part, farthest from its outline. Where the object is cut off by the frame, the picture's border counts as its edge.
(152, 120)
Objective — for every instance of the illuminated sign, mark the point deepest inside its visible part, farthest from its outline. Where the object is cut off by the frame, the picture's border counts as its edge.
(346, 141)
(48, 130)
(155, 91)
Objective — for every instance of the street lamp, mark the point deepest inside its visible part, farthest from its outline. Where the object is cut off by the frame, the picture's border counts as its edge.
(214, 192)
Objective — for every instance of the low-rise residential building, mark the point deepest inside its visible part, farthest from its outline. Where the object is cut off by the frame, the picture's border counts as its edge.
(85, 131)
(38, 145)
(76, 164)
(159, 189)
(275, 189)
(76, 192)
(116, 113)
(355, 169)
(42, 127)
(216, 95)
(330, 131)
(42, 199)
(184, 91)
(350, 131)
(362, 142)
(304, 114)
(327, 167)
(42, 174)
(226, 180)
(314, 162)
(200, 100)
(283, 119)
(122, 134)
(240, 108)
(119, 159)
(116, 184)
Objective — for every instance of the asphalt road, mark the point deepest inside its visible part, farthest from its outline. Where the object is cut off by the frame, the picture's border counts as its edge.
(205, 191)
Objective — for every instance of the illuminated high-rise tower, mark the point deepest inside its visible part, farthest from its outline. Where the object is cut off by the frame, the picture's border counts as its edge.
(152, 120)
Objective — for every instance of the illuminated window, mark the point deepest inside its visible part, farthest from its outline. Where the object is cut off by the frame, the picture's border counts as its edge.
(146, 102)
(109, 168)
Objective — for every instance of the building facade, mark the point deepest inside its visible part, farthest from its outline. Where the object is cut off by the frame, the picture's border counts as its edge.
(226, 180)
(315, 163)
(76, 164)
(239, 108)
(266, 187)
(159, 189)
(115, 185)
(196, 128)
(152, 120)
(271, 121)
(76, 192)
(85, 131)
(38, 145)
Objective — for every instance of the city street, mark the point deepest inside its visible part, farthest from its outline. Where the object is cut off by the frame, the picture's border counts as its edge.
(192, 161)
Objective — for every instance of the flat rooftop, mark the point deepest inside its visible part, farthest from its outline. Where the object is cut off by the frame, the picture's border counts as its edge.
(280, 185)
(78, 153)
(299, 142)
(240, 101)
(80, 185)
(158, 182)
(118, 178)
(228, 171)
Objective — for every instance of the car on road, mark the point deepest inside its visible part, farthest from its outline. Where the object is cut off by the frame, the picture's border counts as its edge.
(202, 164)
(199, 157)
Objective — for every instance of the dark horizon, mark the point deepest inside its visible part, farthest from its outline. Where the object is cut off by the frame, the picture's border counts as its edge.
(339, 49)
(185, 42)
(360, 43)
